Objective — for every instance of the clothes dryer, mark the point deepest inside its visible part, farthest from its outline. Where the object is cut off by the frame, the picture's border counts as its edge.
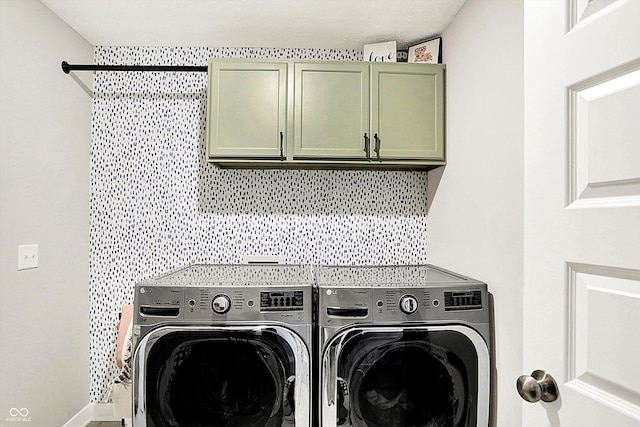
(223, 345)
(402, 346)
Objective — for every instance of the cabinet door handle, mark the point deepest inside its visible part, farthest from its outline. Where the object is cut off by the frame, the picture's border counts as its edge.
(376, 145)
(367, 146)
(281, 146)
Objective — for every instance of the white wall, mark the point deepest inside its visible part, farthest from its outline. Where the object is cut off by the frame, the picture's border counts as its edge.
(475, 218)
(45, 119)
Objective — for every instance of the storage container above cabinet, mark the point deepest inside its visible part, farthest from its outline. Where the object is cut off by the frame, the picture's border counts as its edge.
(325, 114)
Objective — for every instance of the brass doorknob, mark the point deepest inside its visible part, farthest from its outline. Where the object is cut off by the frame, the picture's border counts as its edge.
(537, 386)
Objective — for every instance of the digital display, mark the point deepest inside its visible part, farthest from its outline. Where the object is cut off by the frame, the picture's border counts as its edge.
(281, 300)
(462, 300)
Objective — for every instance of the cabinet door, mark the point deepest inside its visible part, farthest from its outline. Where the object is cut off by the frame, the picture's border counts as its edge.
(407, 111)
(247, 109)
(331, 113)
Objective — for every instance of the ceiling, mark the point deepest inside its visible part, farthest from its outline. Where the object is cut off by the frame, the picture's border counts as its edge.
(331, 24)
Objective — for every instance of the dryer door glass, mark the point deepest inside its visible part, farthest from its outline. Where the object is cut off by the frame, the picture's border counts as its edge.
(208, 378)
(406, 377)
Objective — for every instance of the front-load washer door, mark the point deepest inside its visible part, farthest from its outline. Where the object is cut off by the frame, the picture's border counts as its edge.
(221, 376)
(431, 376)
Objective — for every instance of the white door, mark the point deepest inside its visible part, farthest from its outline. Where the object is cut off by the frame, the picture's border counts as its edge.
(582, 210)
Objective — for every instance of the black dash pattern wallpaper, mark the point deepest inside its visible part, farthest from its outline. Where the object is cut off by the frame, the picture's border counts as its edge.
(156, 204)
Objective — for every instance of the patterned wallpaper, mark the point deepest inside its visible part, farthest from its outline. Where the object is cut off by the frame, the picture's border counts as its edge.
(156, 204)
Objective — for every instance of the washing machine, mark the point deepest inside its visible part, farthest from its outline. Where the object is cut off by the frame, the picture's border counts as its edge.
(223, 345)
(402, 346)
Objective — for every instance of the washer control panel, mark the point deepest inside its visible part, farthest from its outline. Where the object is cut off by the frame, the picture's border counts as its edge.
(281, 300)
(237, 303)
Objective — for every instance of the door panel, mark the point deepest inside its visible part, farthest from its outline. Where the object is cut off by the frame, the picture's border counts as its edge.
(603, 302)
(413, 375)
(407, 104)
(331, 110)
(603, 115)
(213, 381)
(221, 375)
(582, 209)
(247, 107)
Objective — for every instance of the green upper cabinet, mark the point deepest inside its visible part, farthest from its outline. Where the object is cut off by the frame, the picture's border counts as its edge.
(247, 109)
(331, 117)
(407, 107)
(325, 114)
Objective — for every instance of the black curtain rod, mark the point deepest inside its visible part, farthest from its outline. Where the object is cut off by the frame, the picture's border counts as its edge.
(66, 67)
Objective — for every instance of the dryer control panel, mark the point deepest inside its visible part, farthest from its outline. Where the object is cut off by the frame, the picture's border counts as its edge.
(429, 303)
(343, 305)
(281, 300)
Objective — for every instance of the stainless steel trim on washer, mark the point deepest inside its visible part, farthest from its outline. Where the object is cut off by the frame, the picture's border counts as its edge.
(332, 349)
(297, 345)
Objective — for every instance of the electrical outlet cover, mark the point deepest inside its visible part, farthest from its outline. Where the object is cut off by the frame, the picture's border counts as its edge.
(27, 257)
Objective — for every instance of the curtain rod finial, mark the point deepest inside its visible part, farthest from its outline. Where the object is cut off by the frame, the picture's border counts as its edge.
(65, 67)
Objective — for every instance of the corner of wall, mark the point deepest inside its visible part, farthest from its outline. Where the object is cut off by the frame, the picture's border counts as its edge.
(476, 204)
(44, 194)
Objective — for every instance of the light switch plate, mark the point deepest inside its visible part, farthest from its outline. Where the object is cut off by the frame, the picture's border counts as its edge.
(27, 257)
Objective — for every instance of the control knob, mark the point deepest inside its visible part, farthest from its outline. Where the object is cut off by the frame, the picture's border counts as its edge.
(221, 304)
(408, 304)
